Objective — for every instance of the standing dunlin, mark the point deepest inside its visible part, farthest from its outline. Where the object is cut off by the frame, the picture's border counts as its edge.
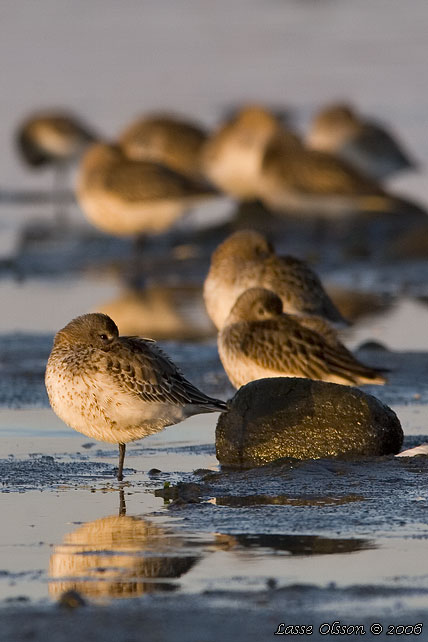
(53, 138)
(364, 143)
(117, 389)
(125, 197)
(245, 260)
(163, 138)
(232, 156)
(259, 341)
(294, 178)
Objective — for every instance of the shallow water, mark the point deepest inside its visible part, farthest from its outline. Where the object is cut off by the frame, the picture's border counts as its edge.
(66, 531)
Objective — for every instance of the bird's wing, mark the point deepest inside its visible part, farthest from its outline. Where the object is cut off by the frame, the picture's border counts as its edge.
(315, 172)
(376, 140)
(283, 345)
(163, 131)
(145, 371)
(297, 283)
(323, 173)
(137, 181)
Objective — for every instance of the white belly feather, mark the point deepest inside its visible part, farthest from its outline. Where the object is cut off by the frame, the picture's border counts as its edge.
(96, 407)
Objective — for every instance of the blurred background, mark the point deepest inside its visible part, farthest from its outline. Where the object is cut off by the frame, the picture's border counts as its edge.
(110, 62)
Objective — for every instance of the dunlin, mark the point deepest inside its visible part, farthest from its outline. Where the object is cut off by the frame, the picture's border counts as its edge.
(54, 139)
(259, 341)
(245, 260)
(364, 143)
(125, 197)
(233, 155)
(302, 179)
(166, 139)
(117, 389)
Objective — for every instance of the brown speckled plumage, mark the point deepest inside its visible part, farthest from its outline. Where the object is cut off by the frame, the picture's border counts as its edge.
(166, 139)
(313, 172)
(246, 259)
(233, 154)
(117, 389)
(367, 145)
(51, 137)
(123, 196)
(259, 341)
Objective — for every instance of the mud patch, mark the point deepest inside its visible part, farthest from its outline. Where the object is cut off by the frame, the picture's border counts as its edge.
(47, 472)
(283, 500)
(383, 496)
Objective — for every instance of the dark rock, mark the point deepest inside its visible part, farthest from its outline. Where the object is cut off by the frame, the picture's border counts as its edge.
(304, 419)
(71, 600)
(372, 345)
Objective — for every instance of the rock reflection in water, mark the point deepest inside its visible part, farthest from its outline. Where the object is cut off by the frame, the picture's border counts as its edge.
(284, 500)
(117, 556)
(161, 312)
(295, 544)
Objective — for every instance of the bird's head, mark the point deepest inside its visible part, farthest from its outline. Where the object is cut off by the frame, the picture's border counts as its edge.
(244, 244)
(255, 304)
(96, 330)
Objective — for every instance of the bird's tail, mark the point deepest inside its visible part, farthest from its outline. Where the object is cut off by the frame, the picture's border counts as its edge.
(391, 204)
(215, 405)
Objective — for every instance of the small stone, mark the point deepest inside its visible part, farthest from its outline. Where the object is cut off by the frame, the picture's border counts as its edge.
(289, 417)
(372, 345)
(71, 600)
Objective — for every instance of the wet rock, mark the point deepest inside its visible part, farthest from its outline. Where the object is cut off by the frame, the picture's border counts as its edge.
(71, 600)
(304, 419)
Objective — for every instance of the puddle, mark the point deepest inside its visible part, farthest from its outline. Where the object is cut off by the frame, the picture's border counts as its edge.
(402, 327)
(82, 533)
(81, 293)
(52, 547)
(161, 312)
(118, 557)
(299, 544)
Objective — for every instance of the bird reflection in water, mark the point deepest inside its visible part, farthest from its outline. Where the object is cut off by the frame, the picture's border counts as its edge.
(117, 556)
(161, 312)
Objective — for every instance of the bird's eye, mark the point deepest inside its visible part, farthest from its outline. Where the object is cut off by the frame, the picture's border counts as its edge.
(104, 337)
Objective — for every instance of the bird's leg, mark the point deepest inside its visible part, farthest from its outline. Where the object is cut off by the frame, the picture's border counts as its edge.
(122, 448)
(136, 267)
(140, 241)
(60, 196)
(122, 504)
